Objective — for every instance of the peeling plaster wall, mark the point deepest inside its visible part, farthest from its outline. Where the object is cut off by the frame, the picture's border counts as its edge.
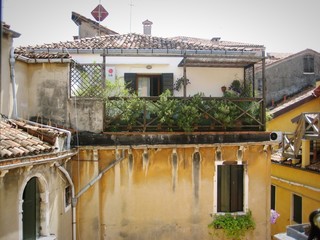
(86, 114)
(148, 195)
(43, 92)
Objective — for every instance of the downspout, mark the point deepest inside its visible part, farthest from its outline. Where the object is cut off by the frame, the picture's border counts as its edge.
(13, 82)
(73, 202)
(93, 181)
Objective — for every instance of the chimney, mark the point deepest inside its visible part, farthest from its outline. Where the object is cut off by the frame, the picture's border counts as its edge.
(215, 40)
(147, 27)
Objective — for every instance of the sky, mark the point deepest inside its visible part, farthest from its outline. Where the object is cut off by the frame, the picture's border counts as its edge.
(284, 26)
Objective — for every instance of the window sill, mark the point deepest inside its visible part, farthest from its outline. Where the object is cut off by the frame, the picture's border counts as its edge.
(51, 237)
(308, 73)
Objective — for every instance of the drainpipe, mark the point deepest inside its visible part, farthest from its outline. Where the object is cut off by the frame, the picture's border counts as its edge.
(13, 82)
(58, 129)
(93, 181)
(74, 200)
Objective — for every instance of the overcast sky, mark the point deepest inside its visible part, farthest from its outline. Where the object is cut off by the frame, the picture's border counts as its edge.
(285, 26)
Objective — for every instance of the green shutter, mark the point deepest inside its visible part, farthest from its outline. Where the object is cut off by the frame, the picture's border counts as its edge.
(167, 82)
(130, 81)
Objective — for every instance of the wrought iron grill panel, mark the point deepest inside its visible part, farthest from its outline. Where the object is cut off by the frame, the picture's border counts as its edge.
(86, 80)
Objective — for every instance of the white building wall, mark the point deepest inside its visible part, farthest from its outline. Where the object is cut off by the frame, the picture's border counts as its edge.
(203, 79)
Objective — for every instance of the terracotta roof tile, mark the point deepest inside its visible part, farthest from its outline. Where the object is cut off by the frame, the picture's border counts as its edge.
(293, 101)
(15, 141)
(131, 41)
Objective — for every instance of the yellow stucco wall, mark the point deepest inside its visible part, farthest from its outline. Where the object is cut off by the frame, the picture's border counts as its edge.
(283, 122)
(289, 181)
(151, 199)
(299, 180)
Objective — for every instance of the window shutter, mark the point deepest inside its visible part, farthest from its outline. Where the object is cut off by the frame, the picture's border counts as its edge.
(230, 188)
(130, 81)
(167, 80)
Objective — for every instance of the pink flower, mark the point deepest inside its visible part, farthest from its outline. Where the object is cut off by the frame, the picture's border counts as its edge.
(273, 216)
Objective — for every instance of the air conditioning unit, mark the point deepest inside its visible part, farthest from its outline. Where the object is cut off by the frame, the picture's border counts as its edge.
(276, 136)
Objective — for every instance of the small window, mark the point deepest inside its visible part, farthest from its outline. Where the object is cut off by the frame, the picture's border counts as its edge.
(230, 188)
(67, 196)
(273, 197)
(297, 209)
(308, 64)
(146, 85)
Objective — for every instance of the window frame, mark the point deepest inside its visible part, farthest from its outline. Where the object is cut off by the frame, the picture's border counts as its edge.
(273, 191)
(296, 217)
(308, 64)
(67, 197)
(164, 81)
(245, 188)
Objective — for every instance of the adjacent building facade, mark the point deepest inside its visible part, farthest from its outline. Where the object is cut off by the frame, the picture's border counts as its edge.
(139, 183)
(295, 189)
(289, 74)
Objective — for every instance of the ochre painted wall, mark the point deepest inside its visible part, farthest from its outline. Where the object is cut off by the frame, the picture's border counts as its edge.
(289, 181)
(283, 122)
(147, 196)
(285, 191)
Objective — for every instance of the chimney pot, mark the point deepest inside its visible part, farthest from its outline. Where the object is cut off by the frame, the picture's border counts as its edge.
(147, 27)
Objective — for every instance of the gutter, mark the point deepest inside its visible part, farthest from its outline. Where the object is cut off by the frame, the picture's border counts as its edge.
(13, 82)
(152, 52)
(43, 60)
(31, 163)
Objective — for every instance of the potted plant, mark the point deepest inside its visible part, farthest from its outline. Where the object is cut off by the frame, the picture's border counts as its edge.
(223, 89)
(234, 226)
(180, 82)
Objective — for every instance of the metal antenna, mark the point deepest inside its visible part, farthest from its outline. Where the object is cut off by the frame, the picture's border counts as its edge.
(131, 5)
(99, 19)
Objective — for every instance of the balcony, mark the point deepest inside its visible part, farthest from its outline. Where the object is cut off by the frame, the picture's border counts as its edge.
(183, 114)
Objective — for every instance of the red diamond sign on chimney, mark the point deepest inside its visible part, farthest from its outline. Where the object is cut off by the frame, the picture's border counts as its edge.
(99, 13)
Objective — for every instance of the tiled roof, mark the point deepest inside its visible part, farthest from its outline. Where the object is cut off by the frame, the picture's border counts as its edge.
(218, 42)
(19, 139)
(277, 157)
(293, 102)
(134, 41)
(22, 52)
